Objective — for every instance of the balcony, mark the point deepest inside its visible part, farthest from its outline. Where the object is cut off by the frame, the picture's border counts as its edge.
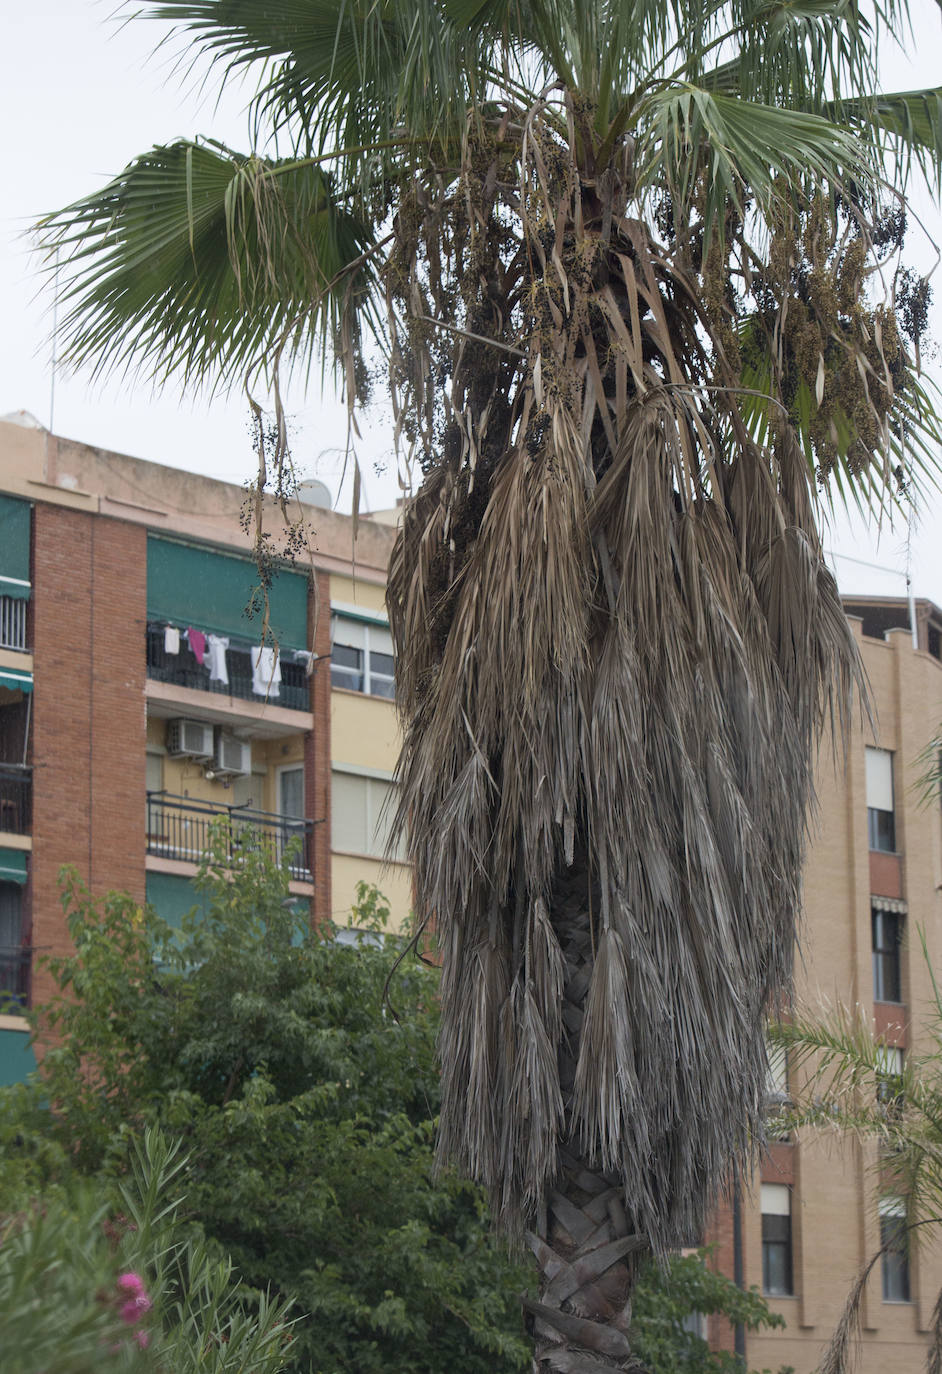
(13, 612)
(16, 799)
(182, 670)
(179, 828)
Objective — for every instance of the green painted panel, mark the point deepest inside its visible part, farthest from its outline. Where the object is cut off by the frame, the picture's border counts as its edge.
(172, 896)
(14, 547)
(12, 866)
(16, 1057)
(190, 584)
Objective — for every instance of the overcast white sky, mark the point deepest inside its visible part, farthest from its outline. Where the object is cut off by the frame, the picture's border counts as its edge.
(81, 94)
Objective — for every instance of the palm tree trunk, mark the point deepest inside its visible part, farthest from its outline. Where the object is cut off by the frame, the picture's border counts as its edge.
(584, 1240)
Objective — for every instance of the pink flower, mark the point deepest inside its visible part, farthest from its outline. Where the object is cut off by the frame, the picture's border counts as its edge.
(135, 1308)
(133, 1304)
(131, 1283)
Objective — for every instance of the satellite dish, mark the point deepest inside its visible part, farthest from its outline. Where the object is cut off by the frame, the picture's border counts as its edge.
(315, 493)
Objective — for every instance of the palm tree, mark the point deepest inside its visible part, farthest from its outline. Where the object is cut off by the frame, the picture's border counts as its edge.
(634, 267)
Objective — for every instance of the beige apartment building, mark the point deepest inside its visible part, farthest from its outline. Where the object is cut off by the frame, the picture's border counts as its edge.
(873, 889)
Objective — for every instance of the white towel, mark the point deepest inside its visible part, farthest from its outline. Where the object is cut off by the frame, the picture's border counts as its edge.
(216, 647)
(266, 671)
(171, 640)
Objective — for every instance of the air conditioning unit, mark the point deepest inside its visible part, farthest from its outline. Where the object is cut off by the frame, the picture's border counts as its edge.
(189, 739)
(231, 755)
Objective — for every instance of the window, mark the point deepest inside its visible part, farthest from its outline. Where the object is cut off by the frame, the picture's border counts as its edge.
(361, 815)
(881, 819)
(887, 934)
(776, 1239)
(362, 658)
(14, 960)
(889, 1079)
(895, 1260)
(776, 1080)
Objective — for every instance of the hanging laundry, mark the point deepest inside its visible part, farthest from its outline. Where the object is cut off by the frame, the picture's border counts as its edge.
(266, 671)
(171, 640)
(216, 647)
(197, 641)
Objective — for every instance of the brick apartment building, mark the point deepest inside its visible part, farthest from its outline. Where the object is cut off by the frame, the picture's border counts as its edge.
(135, 707)
(118, 747)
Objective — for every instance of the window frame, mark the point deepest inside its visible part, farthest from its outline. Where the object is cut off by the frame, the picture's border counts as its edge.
(895, 1268)
(376, 813)
(777, 1239)
(12, 953)
(377, 641)
(881, 820)
(887, 954)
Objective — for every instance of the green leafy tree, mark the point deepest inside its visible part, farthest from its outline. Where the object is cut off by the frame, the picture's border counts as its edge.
(618, 257)
(666, 1297)
(304, 1104)
(304, 1107)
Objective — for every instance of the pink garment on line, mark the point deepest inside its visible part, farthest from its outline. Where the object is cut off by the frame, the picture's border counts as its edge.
(197, 643)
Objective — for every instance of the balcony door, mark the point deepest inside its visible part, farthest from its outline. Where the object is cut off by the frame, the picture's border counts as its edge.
(291, 809)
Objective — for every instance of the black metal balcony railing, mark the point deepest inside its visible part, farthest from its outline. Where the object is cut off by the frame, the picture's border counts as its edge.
(16, 798)
(15, 965)
(179, 828)
(13, 614)
(182, 670)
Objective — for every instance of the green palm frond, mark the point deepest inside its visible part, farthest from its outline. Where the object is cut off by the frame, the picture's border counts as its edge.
(741, 146)
(907, 125)
(196, 261)
(340, 74)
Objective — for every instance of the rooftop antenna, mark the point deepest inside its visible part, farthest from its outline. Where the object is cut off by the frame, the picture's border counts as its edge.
(54, 360)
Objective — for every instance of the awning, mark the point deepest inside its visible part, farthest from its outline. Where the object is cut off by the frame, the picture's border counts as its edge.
(892, 904)
(12, 866)
(14, 547)
(15, 679)
(191, 584)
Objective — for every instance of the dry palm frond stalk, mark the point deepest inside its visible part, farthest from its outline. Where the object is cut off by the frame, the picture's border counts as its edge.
(618, 644)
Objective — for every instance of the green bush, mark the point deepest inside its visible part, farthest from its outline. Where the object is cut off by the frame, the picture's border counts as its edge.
(95, 1278)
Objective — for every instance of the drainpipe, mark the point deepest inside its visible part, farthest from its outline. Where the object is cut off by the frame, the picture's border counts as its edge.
(739, 1277)
(912, 611)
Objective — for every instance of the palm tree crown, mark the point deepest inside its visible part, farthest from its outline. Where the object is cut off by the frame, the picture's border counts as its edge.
(635, 269)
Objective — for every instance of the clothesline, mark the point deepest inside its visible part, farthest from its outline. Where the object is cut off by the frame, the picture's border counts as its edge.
(209, 650)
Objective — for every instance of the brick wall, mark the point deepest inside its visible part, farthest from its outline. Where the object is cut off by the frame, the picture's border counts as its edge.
(719, 1235)
(317, 757)
(89, 722)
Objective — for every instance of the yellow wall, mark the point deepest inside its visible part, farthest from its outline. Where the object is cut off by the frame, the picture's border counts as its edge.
(393, 880)
(355, 592)
(184, 777)
(364, 731)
